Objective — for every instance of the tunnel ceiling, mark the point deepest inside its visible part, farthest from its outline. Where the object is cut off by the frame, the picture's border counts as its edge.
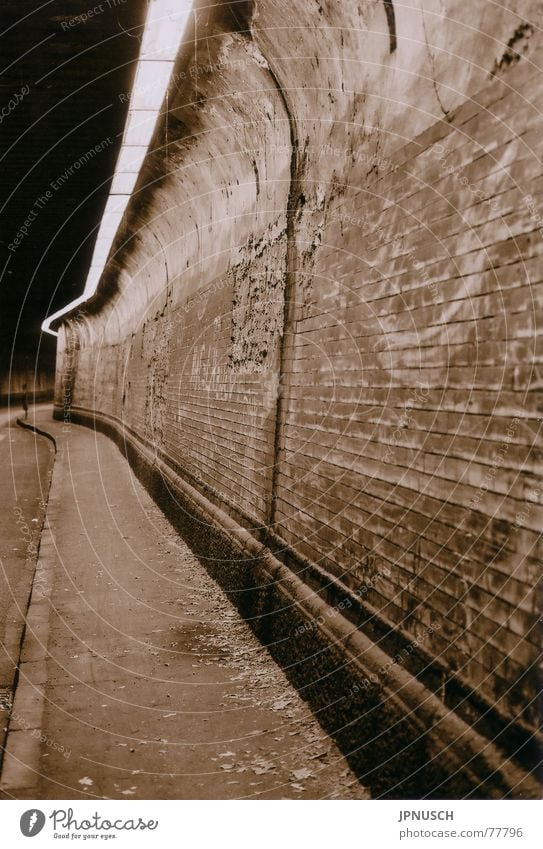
(65, 68)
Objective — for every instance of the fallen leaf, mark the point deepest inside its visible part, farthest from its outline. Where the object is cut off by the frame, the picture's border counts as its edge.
(300, 774)
(279, 704)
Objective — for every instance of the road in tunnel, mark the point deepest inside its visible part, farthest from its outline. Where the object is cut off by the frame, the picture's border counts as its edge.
(315, 342)
(26, 461)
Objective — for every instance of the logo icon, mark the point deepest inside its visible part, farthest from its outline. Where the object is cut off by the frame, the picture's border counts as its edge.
(32, 822)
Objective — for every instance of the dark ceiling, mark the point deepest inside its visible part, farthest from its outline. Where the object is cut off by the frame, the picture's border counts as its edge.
(65, 65)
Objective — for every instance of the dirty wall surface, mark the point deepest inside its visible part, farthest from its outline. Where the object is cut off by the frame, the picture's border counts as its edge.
(322, 310)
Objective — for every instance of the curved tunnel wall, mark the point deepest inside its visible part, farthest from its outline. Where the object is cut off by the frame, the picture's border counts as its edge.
(322, 310)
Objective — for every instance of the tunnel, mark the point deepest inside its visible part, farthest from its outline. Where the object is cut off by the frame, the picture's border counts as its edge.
(313, 339)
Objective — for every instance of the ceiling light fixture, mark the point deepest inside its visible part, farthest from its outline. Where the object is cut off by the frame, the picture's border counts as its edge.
(164, 28)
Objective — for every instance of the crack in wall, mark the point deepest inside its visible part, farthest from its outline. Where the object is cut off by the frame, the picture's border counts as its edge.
(391, 21)
(432, 58)
(290, 284)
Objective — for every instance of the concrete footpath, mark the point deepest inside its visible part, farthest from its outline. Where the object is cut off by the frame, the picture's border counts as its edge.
(138, 678)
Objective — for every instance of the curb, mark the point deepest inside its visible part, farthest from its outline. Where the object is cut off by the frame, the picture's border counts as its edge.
(39, 431)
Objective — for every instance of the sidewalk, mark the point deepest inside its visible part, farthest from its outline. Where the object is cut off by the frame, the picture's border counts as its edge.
(138, 678)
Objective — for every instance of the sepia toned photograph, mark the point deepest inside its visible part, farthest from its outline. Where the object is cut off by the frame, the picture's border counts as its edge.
(271, 401)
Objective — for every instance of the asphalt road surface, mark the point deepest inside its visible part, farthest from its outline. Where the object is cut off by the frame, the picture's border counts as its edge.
(26, 461)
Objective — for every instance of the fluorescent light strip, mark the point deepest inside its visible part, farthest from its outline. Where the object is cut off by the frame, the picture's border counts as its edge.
(165, 26)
